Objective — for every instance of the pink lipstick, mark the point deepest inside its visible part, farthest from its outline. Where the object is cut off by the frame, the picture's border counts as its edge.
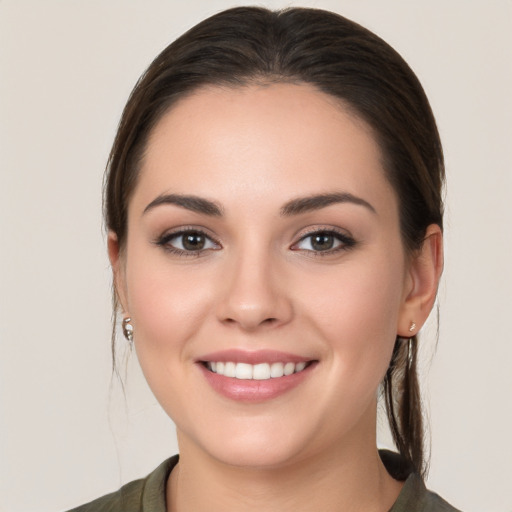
(254, 376)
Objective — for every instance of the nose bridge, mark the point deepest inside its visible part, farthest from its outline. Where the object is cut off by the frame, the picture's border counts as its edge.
(254, 295)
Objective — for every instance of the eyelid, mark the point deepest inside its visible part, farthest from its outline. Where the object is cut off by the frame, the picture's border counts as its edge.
(346, 240)
(164, 240)
(322, 228)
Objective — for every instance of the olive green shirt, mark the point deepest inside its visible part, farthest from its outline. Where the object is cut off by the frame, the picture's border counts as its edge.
(148, 494)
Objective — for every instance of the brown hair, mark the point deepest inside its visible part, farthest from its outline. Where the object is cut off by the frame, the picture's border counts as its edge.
(339, 57)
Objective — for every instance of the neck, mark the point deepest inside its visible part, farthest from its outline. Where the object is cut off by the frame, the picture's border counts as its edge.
(349, 477)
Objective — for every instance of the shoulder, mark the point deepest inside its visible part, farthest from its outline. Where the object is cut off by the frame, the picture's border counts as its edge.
(414, 497)
(128, 498)
(144, 495)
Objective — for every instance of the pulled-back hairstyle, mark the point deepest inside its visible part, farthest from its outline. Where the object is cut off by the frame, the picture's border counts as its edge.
(249, 45)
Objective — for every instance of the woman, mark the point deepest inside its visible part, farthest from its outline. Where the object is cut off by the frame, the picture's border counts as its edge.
(273, 201)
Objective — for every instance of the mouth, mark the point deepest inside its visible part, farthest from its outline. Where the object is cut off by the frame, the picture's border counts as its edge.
(258, 376)
(260, 371)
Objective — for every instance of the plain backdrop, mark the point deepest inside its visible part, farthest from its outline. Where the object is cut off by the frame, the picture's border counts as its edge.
(67, 433)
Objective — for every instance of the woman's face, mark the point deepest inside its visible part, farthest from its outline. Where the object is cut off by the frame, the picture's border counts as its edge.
(264, 237)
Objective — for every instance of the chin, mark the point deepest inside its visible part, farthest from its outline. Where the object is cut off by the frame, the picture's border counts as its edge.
(257, 456)
(249, 447)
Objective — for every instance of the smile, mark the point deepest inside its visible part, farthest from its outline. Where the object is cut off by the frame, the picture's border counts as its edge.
(255, 376)
(260, 371)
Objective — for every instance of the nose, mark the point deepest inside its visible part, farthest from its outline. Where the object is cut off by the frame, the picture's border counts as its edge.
(255, 294)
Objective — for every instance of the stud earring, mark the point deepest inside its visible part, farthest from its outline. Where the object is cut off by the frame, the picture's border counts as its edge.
(128, 329)
(412, 327)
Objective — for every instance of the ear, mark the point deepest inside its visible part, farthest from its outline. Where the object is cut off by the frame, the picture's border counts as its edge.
(116, 261)
(425, 269)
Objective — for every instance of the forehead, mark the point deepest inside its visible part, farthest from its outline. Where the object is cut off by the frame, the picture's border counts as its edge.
(269, 142)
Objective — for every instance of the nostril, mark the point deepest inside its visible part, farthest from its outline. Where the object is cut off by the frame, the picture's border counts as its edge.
(252, 324)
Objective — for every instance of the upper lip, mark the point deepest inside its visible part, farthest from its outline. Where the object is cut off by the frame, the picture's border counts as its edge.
(253, 357)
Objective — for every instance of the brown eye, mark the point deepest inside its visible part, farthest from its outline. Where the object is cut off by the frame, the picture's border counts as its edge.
(193, 241)
(187, 242)
(322, 242)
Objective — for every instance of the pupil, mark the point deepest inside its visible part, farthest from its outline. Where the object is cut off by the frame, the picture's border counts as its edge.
(322, 242)
(193, 241)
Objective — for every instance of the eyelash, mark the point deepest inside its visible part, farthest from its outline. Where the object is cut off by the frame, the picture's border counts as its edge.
(164, 242)
(346, 242)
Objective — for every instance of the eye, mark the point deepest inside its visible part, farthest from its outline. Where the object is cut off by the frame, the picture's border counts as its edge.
(191, 241)
(324, 241)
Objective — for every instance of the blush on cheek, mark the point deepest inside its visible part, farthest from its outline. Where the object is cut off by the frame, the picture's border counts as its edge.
(166, 307)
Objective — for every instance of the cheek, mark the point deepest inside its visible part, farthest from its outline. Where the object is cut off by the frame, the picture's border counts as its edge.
(168, 308)
(362, 298)
(356, 308)
(167, 305)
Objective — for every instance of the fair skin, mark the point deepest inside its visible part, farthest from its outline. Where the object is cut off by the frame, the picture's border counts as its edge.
(326, 282)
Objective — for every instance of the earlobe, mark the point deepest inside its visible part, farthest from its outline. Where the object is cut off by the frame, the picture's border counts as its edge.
(115, 257)
(425, 270)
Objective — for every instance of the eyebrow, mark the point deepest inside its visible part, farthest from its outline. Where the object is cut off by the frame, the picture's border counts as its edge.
(316, 202)
(294, 207)
(193, 203)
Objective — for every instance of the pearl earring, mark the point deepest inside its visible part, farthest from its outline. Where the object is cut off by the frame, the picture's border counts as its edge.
(128, 329)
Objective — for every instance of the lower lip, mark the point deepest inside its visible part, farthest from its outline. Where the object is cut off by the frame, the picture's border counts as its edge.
(254, 390)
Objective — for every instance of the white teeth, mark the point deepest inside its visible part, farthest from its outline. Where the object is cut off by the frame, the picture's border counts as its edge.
(243, 371)
(261, 371)
(289, 368)
(300, 366)
(230, 369)
(276, 370)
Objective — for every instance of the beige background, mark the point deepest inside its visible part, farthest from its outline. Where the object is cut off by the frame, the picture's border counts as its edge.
(66, 68)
